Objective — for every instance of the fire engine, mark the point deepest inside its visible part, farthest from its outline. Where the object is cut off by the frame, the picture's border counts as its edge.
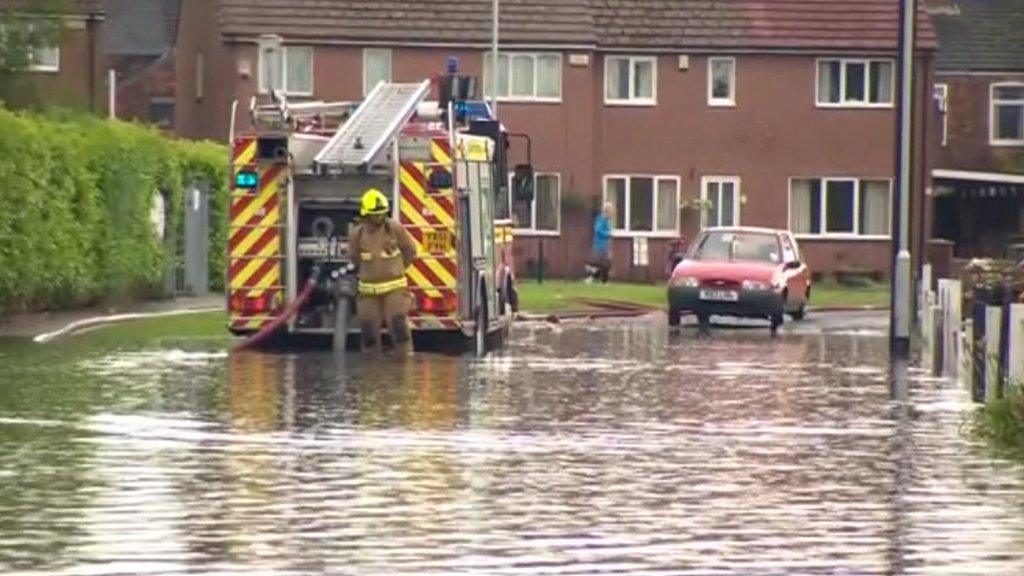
(296, 182)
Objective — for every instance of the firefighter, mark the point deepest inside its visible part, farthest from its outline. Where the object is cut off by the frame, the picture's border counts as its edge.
(382, 250)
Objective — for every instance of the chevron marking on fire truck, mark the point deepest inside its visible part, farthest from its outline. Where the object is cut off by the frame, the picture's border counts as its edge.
(254, 244)
(431, 209)
(244, 152)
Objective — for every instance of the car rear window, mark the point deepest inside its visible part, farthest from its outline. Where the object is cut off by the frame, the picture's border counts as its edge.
(738, 246)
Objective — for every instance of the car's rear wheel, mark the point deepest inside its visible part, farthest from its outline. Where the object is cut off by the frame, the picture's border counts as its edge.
(800, 313)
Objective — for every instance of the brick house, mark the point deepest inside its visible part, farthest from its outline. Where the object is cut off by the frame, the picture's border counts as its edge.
(138, 43)
(979, 95)
(775, 115)
(68, 73)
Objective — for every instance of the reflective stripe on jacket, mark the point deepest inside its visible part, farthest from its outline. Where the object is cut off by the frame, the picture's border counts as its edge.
(382, 288)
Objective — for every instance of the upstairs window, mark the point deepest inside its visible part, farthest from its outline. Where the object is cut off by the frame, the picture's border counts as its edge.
(43, 52)
(376, 68)
(44, 59)
(855, 83)
(630, 80)
(721, 81)
(942, 106)
(526, 77)
(1007, 114)
(289, 70)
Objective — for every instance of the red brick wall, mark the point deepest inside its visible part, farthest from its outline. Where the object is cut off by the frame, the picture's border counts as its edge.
(77, 83)
(775, 132)
(969, 127)
(142, 83)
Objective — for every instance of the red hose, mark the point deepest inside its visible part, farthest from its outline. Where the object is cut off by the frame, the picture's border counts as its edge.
(281, 318)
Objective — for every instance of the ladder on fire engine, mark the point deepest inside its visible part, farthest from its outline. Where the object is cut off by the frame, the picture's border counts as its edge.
(373, 125)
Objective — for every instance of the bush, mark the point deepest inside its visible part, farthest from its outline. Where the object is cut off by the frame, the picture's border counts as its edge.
(1002, 421)
(76, 195)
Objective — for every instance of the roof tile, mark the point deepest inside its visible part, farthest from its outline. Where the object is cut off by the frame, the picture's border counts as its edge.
(609, 24)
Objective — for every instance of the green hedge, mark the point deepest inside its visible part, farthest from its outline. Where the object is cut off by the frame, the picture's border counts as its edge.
(76, 195)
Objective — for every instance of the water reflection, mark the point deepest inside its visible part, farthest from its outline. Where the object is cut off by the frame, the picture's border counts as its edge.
(580, 449)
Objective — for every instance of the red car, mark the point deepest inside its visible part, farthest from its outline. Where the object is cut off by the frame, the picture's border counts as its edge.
(743, 272)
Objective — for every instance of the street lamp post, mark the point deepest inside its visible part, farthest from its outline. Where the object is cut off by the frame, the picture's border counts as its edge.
(899, 326)
(494, 59)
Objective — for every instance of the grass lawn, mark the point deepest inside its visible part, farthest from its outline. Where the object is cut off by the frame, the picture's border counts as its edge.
(555, 295)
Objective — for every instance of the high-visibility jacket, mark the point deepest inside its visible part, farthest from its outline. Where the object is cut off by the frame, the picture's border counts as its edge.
(382, 254)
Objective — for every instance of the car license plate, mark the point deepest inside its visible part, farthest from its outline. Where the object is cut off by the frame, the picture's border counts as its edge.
(720, 295)
(438, 241)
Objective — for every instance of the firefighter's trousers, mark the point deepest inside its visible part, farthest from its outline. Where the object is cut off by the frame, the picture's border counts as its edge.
(389, 309)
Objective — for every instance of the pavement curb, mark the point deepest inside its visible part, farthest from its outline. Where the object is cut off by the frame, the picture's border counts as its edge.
(95, 321)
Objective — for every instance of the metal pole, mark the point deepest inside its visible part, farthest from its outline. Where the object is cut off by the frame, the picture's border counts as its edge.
(112, 83)
(494, 59)
(899, 329)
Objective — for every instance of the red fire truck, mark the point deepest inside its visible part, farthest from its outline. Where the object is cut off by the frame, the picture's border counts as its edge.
(296, 181)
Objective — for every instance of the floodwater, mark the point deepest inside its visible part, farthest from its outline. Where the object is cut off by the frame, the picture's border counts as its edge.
(605, 448)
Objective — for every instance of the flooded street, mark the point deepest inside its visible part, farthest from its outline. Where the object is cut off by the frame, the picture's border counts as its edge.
(603, 448)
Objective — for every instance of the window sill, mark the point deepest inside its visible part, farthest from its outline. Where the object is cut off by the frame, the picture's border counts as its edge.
(854, 106)
(632, 103)
(1006, 143)
(722, 103)
(44, 69)
(842, 237)
(536, 233)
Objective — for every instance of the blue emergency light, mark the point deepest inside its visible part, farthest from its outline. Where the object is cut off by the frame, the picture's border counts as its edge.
(247, 179)
(473, 110)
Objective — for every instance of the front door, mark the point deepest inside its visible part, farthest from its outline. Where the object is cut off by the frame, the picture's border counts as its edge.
(721, 195)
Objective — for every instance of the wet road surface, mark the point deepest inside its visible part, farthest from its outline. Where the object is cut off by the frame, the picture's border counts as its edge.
(605, 448)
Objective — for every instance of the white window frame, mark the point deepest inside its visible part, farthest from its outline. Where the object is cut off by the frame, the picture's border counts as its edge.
(823, 210)
(843, 103)
(532, 230)
(941, 94)
(730, 101)
(284, 71)
(735, 181)
(515, 98)
(391, 66)
(656, 178)
(632, 100)
(992, 113)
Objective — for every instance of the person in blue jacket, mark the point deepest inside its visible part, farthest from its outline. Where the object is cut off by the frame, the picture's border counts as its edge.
(601, 260)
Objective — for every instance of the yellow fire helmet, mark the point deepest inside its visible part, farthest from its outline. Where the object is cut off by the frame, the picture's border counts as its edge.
(374, 202)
